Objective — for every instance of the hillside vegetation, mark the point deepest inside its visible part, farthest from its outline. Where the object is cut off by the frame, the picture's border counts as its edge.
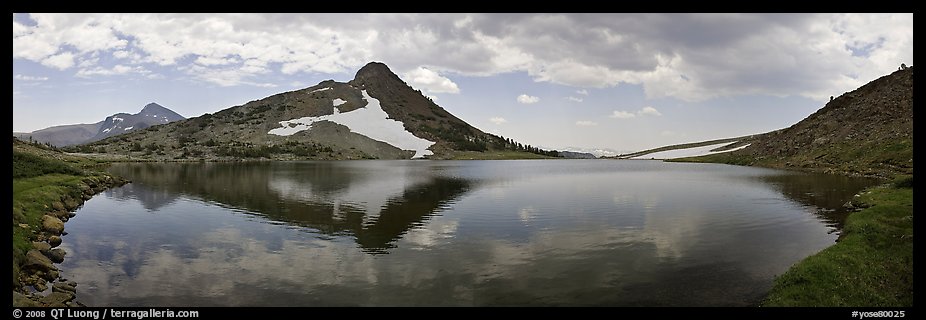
(866, 132)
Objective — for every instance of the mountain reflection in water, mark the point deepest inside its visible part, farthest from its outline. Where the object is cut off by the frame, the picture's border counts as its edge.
(448, 233)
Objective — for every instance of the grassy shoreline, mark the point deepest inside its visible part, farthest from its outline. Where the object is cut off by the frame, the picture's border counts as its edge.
(872, 262)
(870, 265)
(46, 183)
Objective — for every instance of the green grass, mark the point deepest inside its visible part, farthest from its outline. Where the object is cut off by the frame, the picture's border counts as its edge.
(496, 155)
(43, 180)
(871, 265)
(727, 158)
(32, 198)
(873, 158)
(26, 165)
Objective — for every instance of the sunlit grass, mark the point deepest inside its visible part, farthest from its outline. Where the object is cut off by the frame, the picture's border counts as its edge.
(871, 265)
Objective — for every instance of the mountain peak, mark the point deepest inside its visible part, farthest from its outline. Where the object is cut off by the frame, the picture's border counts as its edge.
(154, 109)
(373, 68)
(151, 107)
(374, 72)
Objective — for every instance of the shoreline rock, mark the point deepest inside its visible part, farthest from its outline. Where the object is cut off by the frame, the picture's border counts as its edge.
(38, 269)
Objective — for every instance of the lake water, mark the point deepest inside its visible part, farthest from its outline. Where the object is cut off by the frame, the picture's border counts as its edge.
(448, 233)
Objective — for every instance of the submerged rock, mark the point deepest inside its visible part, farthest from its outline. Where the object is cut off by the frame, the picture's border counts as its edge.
(57, 299)
(64, 287)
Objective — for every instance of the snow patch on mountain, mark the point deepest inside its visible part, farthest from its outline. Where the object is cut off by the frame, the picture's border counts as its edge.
(371, 121)
(338, 102)
(690, 152)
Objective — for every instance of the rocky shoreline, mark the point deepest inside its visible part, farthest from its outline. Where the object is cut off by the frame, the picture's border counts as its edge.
(38, 269)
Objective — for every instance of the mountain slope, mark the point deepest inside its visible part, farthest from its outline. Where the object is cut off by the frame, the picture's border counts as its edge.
(374, 116)
(63, 135)
(73, 134)
(868, 131)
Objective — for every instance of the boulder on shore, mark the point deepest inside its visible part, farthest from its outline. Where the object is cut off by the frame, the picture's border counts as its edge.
(35, 260)
(54, 241)
(56, 255)
(52, 224)
(41, 246)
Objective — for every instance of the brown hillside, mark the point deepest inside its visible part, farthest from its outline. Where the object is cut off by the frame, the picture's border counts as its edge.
(867, 131)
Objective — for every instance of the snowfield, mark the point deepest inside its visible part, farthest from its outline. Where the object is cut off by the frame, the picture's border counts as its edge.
(371, 194)
(338, 102)
(371, 121)
(318, 90)
(690, 152)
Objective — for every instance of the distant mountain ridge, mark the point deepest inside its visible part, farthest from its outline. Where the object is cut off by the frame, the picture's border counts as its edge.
(120, 123)
(374, 116)
(151, 114)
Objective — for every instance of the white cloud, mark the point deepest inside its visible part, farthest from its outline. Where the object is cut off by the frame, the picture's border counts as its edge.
(61, 61)
(430, 81)
(649, 111)
(622, 115)
(526, 99)
(228, 76)
(574, 99)
(498, 120)
(29, 78)
(213, 61)
(582, 92)
(686, 56)
(121, 54)
(115, 70)
(586, 123)
(645, 111)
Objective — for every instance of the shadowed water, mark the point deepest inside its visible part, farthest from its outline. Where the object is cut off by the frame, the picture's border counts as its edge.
(448, 233)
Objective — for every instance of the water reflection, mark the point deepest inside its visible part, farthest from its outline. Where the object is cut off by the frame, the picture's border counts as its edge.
(404, 233)
(377, 206)
(826, 193)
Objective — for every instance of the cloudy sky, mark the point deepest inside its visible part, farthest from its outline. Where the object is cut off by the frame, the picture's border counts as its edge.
(619, 81)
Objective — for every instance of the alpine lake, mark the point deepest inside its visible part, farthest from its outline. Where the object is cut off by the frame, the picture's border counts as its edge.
(449, 233)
